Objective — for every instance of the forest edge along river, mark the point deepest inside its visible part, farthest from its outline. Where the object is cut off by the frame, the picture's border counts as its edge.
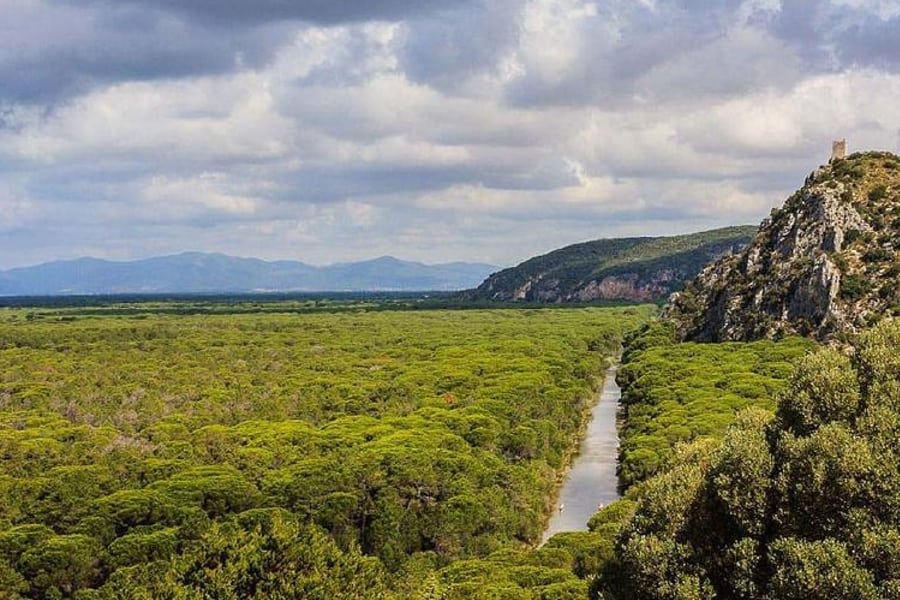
(591, 482)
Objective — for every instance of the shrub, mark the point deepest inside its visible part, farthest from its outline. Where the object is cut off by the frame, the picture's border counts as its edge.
(877, 193)
(854, 287)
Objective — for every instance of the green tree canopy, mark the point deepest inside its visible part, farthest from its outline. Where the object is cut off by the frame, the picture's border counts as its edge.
(805, 505)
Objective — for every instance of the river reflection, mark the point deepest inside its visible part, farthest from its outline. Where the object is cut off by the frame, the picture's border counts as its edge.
(591, 482)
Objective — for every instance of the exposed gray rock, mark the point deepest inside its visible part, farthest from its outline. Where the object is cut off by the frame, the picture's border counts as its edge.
(809, 270)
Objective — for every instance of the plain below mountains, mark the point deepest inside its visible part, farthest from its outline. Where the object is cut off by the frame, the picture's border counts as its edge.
(634, 269)
(195, 272)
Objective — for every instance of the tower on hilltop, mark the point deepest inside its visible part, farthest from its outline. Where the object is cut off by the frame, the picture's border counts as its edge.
(838, 150)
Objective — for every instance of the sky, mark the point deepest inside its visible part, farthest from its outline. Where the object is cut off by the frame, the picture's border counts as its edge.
(431, 130)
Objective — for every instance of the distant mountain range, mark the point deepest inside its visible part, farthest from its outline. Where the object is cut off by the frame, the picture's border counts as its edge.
(636, 269)
(195, 272)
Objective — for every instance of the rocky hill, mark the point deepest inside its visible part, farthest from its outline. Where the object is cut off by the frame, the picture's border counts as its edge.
(640, 269)
(825, 264)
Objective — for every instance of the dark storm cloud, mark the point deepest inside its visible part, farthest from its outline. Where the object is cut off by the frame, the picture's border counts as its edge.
(57, 49)
(240, 13)
(52, 52)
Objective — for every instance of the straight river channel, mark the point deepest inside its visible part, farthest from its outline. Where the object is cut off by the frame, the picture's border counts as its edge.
(591, 480)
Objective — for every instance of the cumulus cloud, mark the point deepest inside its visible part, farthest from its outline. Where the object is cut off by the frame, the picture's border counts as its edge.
(484, 129)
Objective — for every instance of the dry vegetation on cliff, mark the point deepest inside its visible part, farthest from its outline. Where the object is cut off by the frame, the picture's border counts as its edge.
(826, 264)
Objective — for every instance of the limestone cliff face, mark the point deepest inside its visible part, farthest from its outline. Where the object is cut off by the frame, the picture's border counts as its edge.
(824, 264)
(632, 269)
(624, 286)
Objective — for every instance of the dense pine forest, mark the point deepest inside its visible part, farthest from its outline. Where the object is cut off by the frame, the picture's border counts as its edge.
(678, 392)
(348, 454)
(336, 451)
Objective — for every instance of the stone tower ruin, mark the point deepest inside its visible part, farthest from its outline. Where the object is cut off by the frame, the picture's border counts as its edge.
(838, 150)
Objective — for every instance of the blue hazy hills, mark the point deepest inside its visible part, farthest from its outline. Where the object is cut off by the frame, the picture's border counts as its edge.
(196, 272)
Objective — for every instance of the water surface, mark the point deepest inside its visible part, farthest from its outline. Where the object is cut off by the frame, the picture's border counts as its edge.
(591, 482)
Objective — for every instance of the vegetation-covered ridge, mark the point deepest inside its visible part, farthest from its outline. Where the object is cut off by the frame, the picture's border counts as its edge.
(638, 269)
(826, 264)
(802, 505)
(347, 455)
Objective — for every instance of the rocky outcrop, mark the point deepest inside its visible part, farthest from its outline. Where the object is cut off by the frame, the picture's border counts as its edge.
(626, 269)
(825, 264)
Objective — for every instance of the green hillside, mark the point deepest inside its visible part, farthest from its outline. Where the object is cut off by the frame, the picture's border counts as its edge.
(643, 268)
